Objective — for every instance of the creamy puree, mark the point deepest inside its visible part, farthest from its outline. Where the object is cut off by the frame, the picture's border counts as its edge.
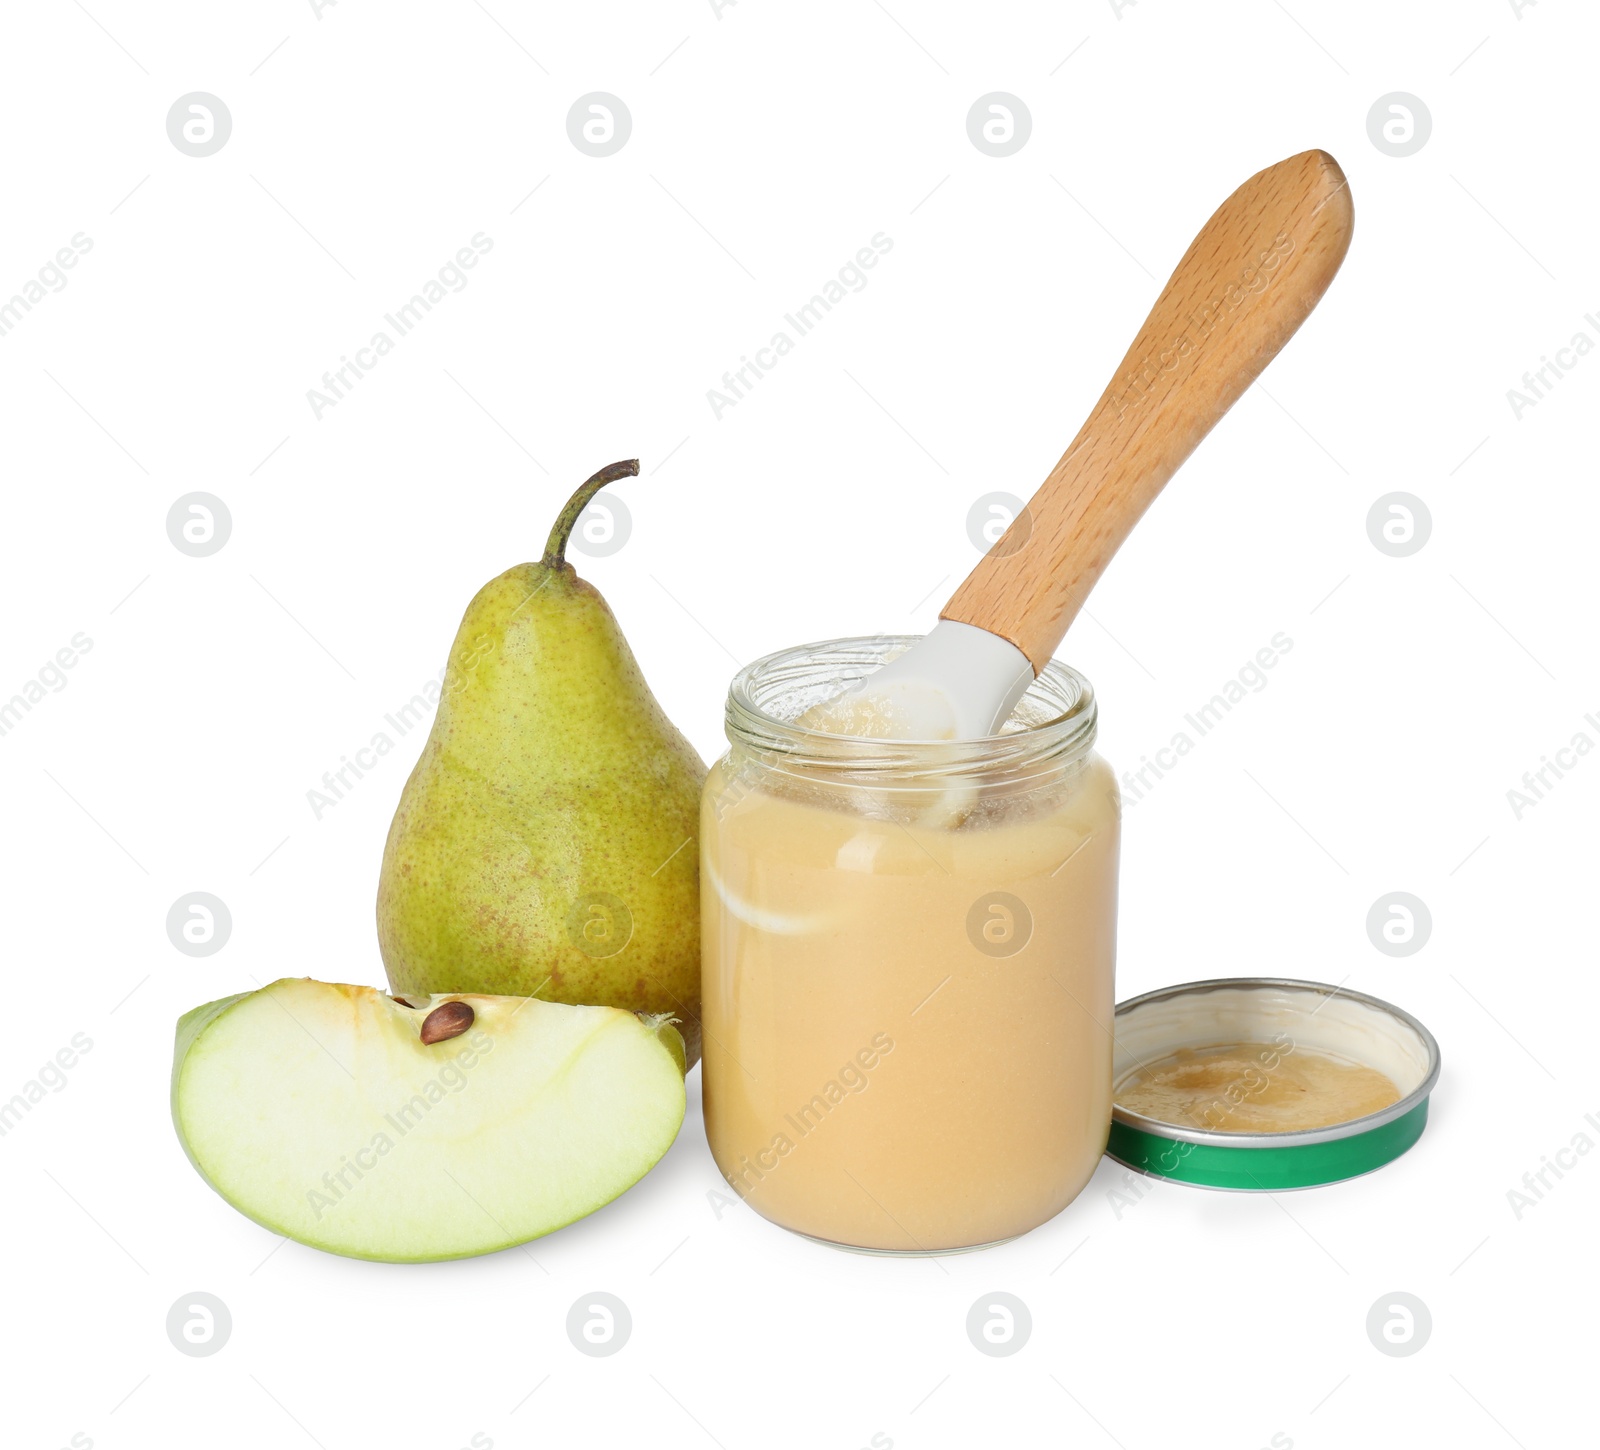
(1255, 1087)
(873, 1075)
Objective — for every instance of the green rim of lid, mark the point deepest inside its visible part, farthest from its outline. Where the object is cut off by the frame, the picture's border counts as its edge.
(1268, 1163)
(1266, 1170)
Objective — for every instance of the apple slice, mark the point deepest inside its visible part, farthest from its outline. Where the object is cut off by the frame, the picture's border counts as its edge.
(429, 1128)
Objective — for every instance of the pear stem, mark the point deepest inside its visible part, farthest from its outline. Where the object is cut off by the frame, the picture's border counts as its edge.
(555, 552)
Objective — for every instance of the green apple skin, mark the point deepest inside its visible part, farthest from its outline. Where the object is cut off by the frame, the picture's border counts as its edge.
(551, 776)
(316, 1110)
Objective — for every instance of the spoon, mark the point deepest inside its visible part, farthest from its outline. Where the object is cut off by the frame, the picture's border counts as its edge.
(1247, 282)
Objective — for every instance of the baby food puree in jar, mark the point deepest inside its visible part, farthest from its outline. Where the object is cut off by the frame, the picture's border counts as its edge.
(907, 944)
(908, 957)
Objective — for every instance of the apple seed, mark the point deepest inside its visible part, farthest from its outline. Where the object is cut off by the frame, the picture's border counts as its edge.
(443, 1023)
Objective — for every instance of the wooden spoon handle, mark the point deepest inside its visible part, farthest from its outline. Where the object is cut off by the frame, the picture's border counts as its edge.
(1248, 280)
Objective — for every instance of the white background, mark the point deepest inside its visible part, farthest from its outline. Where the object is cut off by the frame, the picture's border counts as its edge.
(768, 145)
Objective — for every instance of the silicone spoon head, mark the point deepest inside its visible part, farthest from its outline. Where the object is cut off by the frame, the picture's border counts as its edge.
(958, 683)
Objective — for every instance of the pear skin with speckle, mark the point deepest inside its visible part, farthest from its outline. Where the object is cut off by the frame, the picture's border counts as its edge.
(546, 844)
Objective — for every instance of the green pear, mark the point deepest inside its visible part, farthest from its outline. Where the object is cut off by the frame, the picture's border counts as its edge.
(546, 844)
(429, 1128)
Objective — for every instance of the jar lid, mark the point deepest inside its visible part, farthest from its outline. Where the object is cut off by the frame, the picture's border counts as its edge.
(1284, 1015)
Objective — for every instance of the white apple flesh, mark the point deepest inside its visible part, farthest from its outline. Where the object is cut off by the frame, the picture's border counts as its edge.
(321, 1112)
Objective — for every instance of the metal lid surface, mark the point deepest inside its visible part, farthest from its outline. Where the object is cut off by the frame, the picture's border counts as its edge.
(1347, 1024)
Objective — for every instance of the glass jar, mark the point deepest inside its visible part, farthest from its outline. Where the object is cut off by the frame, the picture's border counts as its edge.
(907, 961)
